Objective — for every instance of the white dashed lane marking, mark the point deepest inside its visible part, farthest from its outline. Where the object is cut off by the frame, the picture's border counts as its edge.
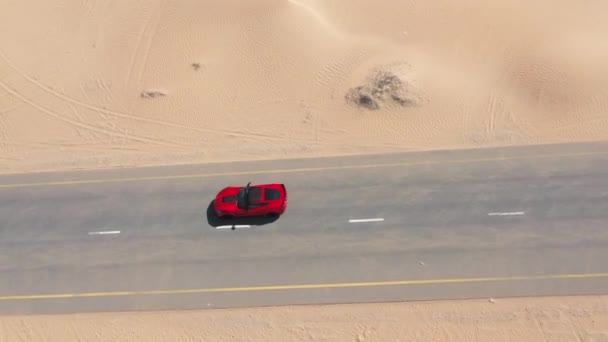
(512, 213)
(366, 220)
(238, 226)
(107, 232)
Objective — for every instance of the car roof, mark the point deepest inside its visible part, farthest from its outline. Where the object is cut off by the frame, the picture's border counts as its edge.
(270, 192)
(255, 194)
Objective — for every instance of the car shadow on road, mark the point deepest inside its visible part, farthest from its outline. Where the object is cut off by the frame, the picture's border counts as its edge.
(215, 221)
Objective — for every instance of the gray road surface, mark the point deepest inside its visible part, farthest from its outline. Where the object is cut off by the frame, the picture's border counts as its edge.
(456, 216)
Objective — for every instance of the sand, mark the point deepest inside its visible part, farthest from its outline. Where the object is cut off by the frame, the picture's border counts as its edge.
(99, 84)
(103, 84)
(554, 319)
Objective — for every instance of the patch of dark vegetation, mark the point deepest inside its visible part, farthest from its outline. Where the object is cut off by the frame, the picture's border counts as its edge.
(382, 87)
(196, 66)
(151, 94)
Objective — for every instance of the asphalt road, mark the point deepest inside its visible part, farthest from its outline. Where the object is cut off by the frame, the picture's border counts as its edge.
(449, 224)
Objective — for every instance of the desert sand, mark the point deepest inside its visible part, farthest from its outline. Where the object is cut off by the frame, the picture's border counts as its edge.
(98, 84)
(101, 84)
(554, 319)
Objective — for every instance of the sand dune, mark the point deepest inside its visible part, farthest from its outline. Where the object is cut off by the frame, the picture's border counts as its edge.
(93, 84)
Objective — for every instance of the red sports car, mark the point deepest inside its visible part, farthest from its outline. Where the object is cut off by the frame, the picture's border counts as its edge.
(251, 200)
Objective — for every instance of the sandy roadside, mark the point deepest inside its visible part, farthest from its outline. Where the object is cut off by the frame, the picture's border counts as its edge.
(517, 319)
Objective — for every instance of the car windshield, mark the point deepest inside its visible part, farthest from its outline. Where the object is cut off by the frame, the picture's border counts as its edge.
(242, 198)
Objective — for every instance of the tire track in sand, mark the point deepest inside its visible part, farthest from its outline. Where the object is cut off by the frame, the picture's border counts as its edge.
(127, 79)
(84, 125)
(138, 118)
(491, 126)
(4, 128)
(157, 15)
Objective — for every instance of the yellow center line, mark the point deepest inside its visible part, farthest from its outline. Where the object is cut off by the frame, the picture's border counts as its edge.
(307, 286)
(305, 169)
